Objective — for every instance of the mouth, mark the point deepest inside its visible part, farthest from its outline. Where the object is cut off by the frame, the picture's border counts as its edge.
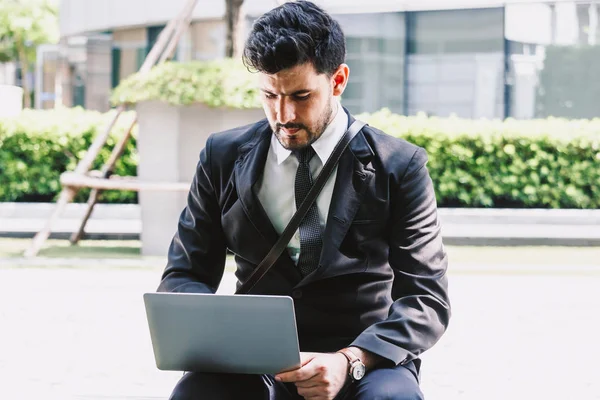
(290, 131)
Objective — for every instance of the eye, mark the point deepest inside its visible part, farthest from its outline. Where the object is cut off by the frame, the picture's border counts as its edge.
(301, 98)
(270, 95)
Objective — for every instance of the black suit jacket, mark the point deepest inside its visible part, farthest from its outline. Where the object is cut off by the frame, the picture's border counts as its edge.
(381, 282)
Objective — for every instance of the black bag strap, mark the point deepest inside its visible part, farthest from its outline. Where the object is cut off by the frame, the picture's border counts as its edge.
(294, 223)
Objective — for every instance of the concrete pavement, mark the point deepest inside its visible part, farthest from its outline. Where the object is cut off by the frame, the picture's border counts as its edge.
(82, 334)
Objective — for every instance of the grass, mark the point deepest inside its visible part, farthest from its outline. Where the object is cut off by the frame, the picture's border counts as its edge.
(84, 249)
(464, 255)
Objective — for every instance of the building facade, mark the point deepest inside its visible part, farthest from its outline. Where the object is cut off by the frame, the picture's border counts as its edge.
(470, 58)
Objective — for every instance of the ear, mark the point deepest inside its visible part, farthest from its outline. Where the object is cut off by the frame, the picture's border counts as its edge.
(340, 79)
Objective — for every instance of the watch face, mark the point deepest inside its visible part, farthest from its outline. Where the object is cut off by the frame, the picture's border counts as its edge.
(358, 371)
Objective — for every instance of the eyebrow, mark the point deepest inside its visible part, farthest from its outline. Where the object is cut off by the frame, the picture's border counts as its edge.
(297, 92)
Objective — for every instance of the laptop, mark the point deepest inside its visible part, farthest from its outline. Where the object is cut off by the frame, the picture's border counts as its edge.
(243, 334)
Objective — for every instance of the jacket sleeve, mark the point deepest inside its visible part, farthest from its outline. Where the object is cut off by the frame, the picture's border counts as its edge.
(196, 258)
(420, 312)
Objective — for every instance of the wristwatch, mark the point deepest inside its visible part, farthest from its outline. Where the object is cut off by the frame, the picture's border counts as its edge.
(357, 368)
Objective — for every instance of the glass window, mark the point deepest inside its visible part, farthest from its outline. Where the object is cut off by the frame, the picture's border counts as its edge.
(456, 62)
(116, 66)
(152, 35)
(140, 56)
(554, 59)
(354, 91)
(375, 48)
(153, 32)
(456, 31)
(353, 45)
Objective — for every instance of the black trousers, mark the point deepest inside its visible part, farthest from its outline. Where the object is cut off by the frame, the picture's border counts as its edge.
(397, 383)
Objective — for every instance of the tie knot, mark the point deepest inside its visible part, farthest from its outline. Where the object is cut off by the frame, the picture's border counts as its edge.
(305, 155)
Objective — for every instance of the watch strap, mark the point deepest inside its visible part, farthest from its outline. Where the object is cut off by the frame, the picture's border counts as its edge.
(349, 354)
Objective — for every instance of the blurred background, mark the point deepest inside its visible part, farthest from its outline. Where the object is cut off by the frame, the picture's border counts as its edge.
(474, 59)
(503, 95)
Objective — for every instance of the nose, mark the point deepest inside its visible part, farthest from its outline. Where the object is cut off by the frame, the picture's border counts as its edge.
(285, 110)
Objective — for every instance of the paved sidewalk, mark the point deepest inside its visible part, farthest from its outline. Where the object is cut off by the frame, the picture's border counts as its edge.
(460, 226)
(82, 334)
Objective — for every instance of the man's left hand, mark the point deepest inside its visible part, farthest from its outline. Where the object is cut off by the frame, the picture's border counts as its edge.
(321, 376)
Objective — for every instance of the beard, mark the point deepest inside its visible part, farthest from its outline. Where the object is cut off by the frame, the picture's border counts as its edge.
(311, 133)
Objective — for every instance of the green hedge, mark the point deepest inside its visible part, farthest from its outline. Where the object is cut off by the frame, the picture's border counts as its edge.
(37, 146)
(552, 163)
(218, 83)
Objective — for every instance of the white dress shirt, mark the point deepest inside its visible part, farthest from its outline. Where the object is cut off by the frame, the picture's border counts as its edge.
(276, 189)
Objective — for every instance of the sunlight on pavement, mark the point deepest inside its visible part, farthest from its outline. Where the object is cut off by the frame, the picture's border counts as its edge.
(82, 334)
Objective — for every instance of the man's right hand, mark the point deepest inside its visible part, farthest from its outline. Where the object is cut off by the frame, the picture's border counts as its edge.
(321, 376)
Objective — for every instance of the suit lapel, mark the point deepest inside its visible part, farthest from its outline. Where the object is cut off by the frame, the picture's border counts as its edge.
(354, 176)
(248, 170)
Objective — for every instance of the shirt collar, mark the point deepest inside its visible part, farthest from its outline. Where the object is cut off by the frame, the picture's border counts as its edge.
(324, 145)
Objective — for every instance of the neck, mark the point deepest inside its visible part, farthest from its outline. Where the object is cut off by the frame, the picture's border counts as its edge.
(335, 106)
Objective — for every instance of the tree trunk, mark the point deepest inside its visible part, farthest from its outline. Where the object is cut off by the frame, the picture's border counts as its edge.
(233, 21)
(24, 72)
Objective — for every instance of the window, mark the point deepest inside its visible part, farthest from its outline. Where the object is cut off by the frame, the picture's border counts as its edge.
(375, 48)
(456, 63)
(554, 59)
(116, 66)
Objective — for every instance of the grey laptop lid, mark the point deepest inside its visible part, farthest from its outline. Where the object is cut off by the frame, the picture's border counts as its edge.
(244, 334)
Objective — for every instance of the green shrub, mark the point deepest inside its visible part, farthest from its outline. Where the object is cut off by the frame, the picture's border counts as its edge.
(551, 163)
(219, 83)
(37, 146)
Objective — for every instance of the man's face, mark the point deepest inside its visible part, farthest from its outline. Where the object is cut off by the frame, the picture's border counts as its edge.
(299, 102)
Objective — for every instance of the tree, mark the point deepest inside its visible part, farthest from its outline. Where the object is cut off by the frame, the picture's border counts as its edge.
(25, 24)
(233, 20)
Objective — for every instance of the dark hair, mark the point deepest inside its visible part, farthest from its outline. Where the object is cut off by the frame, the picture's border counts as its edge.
(293, 34)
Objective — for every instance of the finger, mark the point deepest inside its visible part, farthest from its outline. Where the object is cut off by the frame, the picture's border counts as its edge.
(296, 376)
(313, 393)
(309, 383)
(304, 373)
(287, 375)
(304, 359)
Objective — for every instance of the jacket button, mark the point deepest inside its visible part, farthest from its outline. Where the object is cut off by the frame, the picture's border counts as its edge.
(297, 294)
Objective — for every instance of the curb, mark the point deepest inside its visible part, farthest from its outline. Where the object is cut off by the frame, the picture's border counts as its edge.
(460, 226)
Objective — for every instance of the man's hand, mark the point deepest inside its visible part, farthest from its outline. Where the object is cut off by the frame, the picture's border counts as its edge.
(321, 376)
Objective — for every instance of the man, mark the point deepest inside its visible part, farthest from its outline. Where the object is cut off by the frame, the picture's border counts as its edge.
(366, 269)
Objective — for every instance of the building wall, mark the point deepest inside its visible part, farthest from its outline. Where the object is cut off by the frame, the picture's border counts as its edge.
(81, 16)
(456, 63)
(47, 67)
(8, 73)
(553, 60)
(131, 44)
(484, 62)
(98, 73)
(208, 39)
(375, 47)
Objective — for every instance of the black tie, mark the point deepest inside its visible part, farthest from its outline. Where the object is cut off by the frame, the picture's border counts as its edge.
(310, 227)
